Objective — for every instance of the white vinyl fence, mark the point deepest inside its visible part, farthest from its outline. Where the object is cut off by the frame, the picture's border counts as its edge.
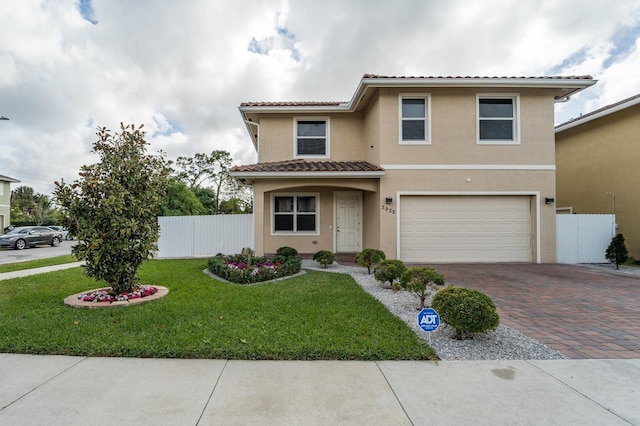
(203, 236)
(583, 238)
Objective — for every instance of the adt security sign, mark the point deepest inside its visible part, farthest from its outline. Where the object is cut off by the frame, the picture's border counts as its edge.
(428, 319)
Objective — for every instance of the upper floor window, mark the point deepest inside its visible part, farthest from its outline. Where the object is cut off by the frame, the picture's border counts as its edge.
(414, 119)
(311, 138)
(498, 119)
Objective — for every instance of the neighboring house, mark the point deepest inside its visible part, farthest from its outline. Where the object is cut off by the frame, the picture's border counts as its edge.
(5, 200)
(597, 156)
(427, 169)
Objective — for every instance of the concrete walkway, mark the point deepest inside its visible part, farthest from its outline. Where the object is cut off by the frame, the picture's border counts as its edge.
(63, 390)
(35, 271)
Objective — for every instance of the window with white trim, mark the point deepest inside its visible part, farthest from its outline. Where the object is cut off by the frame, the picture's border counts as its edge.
(295, 213)
(498, 119)
(414, 119)
(311, 138)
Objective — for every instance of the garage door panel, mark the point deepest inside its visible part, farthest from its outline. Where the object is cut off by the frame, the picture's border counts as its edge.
(465, 229)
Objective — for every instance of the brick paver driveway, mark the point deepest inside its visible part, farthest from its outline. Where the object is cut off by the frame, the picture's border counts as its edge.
(580, 311)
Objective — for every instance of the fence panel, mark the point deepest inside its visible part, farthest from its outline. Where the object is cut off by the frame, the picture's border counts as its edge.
(583, 238)
(203, 236)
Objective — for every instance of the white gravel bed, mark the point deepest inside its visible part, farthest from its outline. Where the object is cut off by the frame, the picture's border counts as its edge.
(501, 343)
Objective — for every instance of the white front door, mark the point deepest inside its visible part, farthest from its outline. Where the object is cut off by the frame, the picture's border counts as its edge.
(348, 230)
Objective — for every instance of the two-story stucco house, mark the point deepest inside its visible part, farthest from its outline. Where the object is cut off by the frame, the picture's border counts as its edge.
(597, 155)
(5, 200)
(427, 169)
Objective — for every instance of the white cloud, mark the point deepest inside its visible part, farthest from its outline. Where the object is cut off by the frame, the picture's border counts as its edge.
(182, 68)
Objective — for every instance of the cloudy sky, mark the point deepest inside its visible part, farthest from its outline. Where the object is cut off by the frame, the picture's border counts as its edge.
(182, 68)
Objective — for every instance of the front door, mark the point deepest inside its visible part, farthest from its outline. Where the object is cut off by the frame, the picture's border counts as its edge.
(348, 232)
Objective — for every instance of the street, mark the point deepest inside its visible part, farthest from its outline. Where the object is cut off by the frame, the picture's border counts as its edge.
(40, 252)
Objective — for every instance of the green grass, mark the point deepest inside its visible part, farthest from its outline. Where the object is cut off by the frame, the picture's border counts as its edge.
(318, 315)
(19, 266)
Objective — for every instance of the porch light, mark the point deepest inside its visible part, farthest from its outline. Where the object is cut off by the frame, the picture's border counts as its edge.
(388, 200)
(549, 200)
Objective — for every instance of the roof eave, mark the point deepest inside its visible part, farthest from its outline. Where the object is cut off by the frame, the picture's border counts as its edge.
(568, 86)
(8, 179)
(582, 120)
(320, 109)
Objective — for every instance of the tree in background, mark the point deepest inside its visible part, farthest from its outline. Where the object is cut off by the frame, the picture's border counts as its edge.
(23, 199)
(44, 211)
(179, 200)
(207, 197)
(213, 168)
(30, 207)
(112, 209)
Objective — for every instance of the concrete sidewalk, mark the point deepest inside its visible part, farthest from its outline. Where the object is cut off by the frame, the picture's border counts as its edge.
(35, 271)
(62, 390)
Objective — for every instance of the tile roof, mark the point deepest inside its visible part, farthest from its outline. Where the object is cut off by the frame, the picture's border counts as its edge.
(426, 79)
(304, 166)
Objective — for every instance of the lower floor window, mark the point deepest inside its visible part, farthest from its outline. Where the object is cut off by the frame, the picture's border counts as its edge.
(295, 213)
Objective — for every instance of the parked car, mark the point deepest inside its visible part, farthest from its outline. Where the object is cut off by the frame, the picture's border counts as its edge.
(30, 236)
(60, 229)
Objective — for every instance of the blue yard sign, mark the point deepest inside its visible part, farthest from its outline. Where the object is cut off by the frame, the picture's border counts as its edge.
(428, 319)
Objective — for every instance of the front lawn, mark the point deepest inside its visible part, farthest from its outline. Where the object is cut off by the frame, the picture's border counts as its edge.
(314, 316)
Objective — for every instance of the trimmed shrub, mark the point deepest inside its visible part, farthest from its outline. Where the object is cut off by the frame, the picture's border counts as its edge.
(466, 310)
(368, 257)
(389, 271)
(286, 251)
(235, 268)
(324, 257)
(617, 251)
(421, 281)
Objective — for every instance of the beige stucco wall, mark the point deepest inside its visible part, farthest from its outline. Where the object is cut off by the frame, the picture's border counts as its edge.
(372, 135)
(266, 242)
(453, 130)
(602, 156)
(346, 136)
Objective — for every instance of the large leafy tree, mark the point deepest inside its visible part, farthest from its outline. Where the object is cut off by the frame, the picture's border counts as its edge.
(29, 206)
(44, 211)
(213, 169)
(179, 200)
(112, 209)
(24, 201)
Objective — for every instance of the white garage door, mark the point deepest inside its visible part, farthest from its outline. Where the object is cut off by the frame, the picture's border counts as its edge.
(465, 228)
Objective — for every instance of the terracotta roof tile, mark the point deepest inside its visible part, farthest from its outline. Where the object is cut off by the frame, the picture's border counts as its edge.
(308, 166)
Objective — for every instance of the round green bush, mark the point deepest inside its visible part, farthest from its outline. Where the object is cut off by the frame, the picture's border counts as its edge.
(324, 257)
(286, 251)
(389, 271)
(466, 310)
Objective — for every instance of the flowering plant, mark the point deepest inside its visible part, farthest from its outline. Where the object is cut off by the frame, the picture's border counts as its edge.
(107, 295)
(236, 269)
